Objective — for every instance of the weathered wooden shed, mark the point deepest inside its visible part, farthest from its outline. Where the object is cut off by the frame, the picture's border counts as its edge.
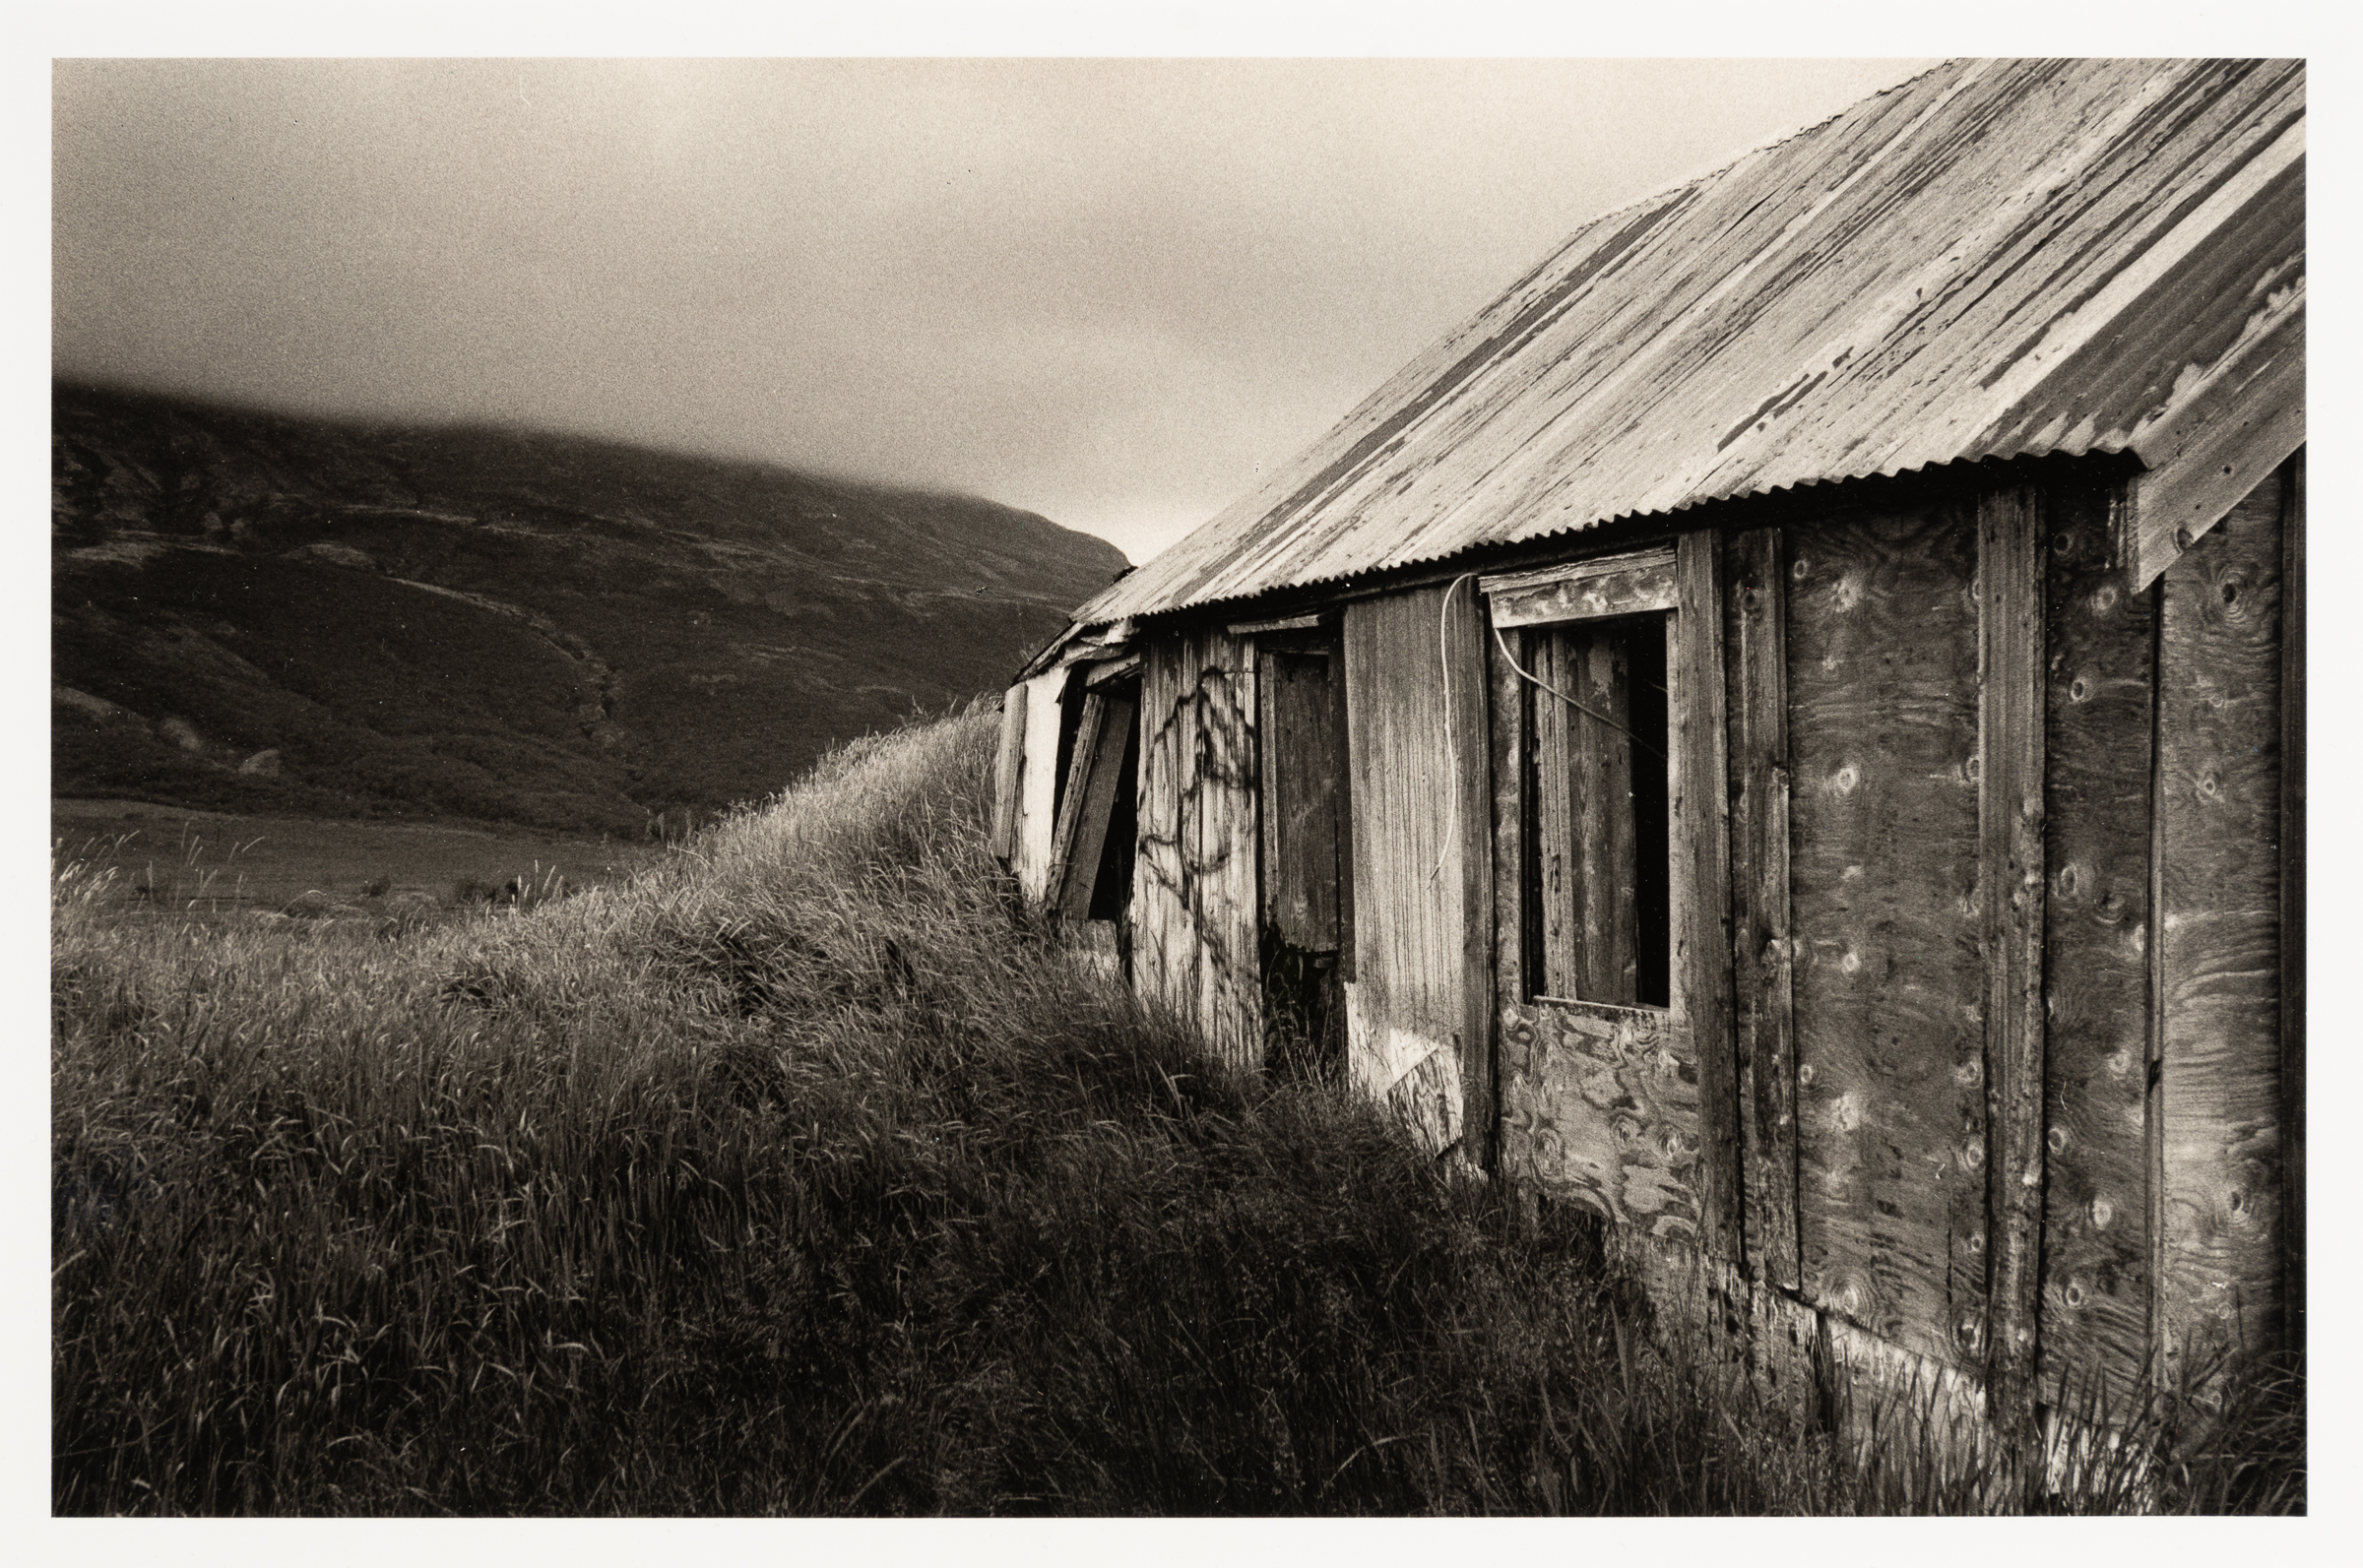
(1787, 731)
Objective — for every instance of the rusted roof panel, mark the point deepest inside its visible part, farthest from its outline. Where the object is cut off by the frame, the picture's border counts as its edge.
(1994, 258)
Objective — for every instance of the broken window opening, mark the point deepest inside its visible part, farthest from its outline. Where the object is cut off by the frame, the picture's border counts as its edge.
(1598, 874)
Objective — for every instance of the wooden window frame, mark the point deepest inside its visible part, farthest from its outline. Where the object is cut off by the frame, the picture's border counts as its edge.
(1628, 1111)
(1620, 587)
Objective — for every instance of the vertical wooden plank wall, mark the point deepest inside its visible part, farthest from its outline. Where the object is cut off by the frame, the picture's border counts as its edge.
(2218, 799)
(1419, 1008)
(2010, 555)
(1194, 877)
(1755, 674)
(1302, 755)
(1887, 988)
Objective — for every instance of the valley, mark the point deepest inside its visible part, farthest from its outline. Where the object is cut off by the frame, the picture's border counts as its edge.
(254, 613)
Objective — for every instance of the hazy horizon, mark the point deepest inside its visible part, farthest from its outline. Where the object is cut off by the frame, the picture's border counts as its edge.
(1108, 291)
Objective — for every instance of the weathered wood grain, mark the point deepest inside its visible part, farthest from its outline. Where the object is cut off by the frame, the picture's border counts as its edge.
(1600, 1108)
(1105, 736)
(2096, 922)
(1698, 819)
(1468, 631)
(1734, 1324)
(1344, 805)
(1304, 762)
(1072, 795)
(1887, 990)
(1584, 813)
(2011, 574)
(2293, 906)
(1008, 765)
(2219, 734)
(1418, 816)
(1195, 946)
(2224, 449)
(1107, 671)
(1584, 590)
(1038, 785)
(1510, 740)
(1757, 675)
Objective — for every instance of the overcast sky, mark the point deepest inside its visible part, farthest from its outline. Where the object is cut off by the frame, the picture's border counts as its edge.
(1104, 291)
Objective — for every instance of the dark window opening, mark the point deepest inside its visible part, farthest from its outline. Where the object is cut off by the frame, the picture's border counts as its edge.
(1070, 722)
(1112, 892)
(1598, 881)
(1090, 874)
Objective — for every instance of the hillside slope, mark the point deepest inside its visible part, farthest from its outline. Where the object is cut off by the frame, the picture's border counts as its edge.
(257, 613)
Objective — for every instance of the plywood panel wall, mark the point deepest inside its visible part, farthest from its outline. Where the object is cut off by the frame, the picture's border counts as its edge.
(2219, 831)
(1888, 982)
(2098, 694)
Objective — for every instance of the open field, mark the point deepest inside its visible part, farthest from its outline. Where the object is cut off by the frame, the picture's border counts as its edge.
(217, 862)
(798, 1174)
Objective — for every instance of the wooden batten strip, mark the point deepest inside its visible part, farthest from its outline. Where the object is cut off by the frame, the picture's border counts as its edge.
(1624, 585)
(1509, 741)
(1008, 765)
(2011, 687)
(1699, 826)
(1470, 640)
(1652, 561)
(2293, 905)
(1756, 683)
(1345, 815)
(1283, 623)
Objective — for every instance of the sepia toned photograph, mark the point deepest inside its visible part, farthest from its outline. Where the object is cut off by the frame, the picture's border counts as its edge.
(1179, 787)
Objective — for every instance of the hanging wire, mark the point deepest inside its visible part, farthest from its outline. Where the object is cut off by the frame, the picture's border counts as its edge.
(1444, 665)
(1564, 698)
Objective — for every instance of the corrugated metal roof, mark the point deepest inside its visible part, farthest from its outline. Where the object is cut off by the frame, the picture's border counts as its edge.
(1991, 260)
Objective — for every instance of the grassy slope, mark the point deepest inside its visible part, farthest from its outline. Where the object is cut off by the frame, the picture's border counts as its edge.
(551, 631)
(796, 1177)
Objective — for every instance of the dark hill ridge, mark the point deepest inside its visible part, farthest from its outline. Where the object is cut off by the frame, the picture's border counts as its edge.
(258, 612)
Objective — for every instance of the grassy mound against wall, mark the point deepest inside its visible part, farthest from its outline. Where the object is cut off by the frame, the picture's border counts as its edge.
(801, 1175)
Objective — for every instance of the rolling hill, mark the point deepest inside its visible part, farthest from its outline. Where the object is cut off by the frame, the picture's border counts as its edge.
(255, 612)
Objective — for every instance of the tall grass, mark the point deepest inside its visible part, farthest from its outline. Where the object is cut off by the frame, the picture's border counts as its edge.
(802, 1175)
